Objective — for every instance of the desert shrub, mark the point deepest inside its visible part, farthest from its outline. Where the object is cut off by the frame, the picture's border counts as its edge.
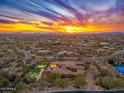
(10, 77)
(112, 61)
(108, 82)
(59, 83)
(86, 66)
(44, 62)
(120, 83)
(43, 84)
(21, 85)
(5, 50)
(53, 76)
(10, 59)
(3, 81)
(79, 81)
(103, 72)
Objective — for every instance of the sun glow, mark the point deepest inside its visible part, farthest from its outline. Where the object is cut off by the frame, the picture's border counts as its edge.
(71, 29)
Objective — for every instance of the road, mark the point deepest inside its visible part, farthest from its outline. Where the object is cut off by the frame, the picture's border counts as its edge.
(90, 82)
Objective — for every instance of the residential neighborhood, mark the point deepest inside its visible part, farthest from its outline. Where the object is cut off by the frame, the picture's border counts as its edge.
(48, 63)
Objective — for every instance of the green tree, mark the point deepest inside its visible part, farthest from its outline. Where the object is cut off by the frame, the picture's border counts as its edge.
(10, 59)
(3, 81)
(120, 82)
(108, 82)
(5, 50)
(44, 62)
(112, 61)
(10, 77)
(103, 71)
(79, 81)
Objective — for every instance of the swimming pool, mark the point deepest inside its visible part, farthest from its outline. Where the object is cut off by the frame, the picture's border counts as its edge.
(120, 69)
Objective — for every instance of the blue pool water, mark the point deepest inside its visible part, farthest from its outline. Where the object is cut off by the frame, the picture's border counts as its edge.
(120, 69)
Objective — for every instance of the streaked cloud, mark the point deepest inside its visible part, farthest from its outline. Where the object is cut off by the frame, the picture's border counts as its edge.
(61, 15)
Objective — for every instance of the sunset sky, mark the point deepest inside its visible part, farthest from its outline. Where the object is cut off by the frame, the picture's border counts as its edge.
(61, 16)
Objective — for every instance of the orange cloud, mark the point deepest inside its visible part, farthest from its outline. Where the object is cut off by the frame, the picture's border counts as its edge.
(56, 27)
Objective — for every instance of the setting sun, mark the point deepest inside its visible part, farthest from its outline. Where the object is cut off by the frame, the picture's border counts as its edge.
(62, 46)
(72, 29)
